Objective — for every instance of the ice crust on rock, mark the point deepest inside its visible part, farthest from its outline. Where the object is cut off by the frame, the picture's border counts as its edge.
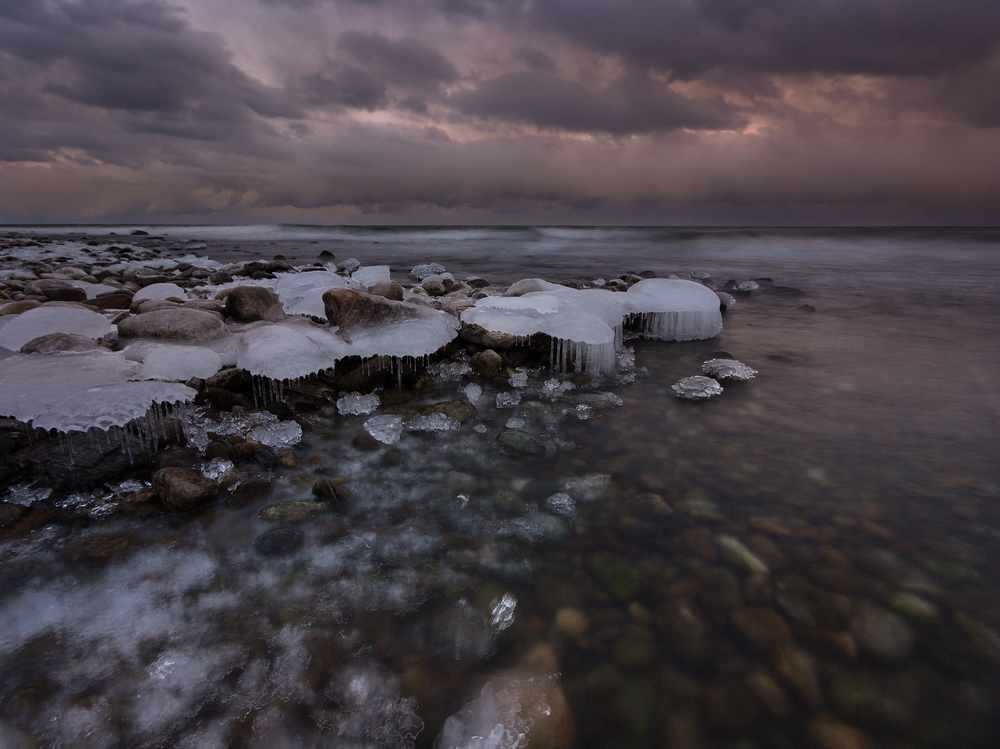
(288, 350)
(433, 422)
(422, 271)
(159, 291)
(586, 324)
(77, 391)
(728, 369)
(302, 293)
(45, 320)
(276, 434)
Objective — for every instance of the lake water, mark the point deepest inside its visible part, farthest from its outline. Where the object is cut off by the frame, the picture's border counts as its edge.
(808, 560)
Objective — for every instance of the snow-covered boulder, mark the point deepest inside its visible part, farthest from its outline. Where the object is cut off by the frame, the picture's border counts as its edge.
(45, 320)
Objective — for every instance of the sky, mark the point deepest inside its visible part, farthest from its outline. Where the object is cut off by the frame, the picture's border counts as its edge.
(664, 112)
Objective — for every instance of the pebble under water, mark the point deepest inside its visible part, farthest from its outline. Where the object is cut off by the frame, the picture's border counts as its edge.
(807, 560)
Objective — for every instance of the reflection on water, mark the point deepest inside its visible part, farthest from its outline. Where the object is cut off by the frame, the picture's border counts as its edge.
(808, 560)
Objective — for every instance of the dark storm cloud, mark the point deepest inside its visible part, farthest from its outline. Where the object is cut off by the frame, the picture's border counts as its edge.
(632, 104)
(689, 37)
(406, 61)
(137, 58)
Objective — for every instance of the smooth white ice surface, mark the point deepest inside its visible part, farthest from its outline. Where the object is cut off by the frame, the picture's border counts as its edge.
(287, 351)
(45, 320)
(675, 310)
(166, 362)
(369, 275)
(302, 293)
(75, 391)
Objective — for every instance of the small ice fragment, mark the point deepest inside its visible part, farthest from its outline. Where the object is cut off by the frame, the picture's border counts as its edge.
(696, 388)
(561, 504)
(472, 392)
(27, 494)
(600, 400)
(599, 282)
(519, 380)
(508, 400)
(435, 422)
(747, 286)
(450, 370)
(214, 468)
(128, 486)
(480, 429)
(276, 434)
(462, 499)
(515, 422)
(626, 358)
(583, 412)
(728, 369)
(349, 266)
(502, 611)
(554, 388)
(355, 404)
(386, 429)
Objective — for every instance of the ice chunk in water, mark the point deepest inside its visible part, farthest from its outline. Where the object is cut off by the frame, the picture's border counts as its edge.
(277, 434)
(587, 488)
(508, 400)
(502, 611)
(45, 320)
(165, 362)
(160, 291)
(386, 429)
(728, 369)
(696, 388)
(76, 391)
(301, 293)
(515, 422)
(519, 380)
(554, 388)
(370, 275)
(355, 404)
(215, 468)
(434, 422)
(472, 392)
(562, 504)
(747, 286)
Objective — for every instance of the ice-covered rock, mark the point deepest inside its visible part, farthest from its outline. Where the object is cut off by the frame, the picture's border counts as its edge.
(728, 369)
(302, 293)
(276, 434)
(166, 362)
(369, 275)
(27, 326)
(746, 286)
(288, 350)
(696, 388)
(77, 391)
(159, 291)
(422, 271)
(674, 310)
(53, 342)
(432, 422)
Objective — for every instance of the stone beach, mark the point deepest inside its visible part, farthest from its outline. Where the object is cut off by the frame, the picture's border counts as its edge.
(439, 544)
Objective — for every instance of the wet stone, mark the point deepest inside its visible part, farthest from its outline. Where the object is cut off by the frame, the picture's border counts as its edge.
(881, 633)
(253, 303)
(279, 541)
(247, 493)
(101, 548)
(295, 511)
(10, 513)
(520, 443)
(333, 492)
(764, 628)
(827, 733)
(487, 363)
(183, 489)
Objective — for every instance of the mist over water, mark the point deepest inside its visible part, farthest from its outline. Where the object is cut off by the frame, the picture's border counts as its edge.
(860, 467)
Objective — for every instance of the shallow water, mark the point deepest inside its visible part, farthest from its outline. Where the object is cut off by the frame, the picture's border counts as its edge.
(860, 467)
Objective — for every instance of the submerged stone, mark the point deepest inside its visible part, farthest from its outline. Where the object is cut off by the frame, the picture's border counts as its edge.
(279, 541)
(183, 489)
(295, 511)
(520, 442)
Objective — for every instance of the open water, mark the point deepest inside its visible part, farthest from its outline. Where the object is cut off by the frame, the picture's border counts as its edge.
(808, 560)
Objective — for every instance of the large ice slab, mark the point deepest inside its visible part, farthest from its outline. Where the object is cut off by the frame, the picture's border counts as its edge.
(287, 351)
(166, 362)
(44, 320)
(302, 293)
(77, 391)
(675, 310)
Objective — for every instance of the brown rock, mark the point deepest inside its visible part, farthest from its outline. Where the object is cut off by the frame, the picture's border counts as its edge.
(47, 344)
(353, 310)
(183, 489)
(701, 541)
(114, 300)
(764, 628)
(55, 290)
(333, 491)
(770, 693)
(179, 324)
(16, 308)
(487, 363)
(478, 334)
(388, 289)
(830, 734)
(253, 303)
(798, 669)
